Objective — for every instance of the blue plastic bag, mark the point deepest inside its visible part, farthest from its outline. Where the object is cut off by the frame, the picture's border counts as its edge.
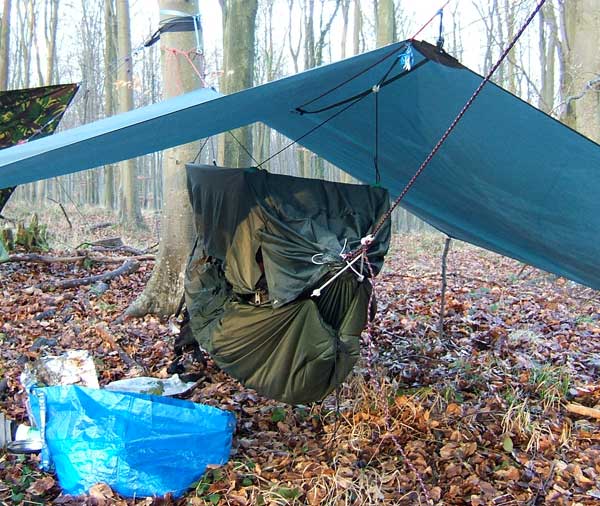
(140, 445)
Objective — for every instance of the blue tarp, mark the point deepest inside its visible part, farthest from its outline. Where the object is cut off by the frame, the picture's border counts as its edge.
(141, 445)
(510, 178)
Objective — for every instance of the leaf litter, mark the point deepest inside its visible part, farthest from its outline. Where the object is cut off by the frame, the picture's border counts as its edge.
(477, 417)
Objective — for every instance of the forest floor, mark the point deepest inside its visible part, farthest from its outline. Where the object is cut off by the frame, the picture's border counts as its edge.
(476, 417)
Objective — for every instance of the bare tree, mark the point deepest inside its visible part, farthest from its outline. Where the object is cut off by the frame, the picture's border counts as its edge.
(580, 83)
(130, 214)
(5, 44)
(239, 17)
(165, 287)
(110, 59)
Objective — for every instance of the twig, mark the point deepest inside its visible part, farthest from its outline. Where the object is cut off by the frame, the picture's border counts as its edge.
(104, 333)
(578, 409)
(98, 226)
(128, 267)
(522, 270)
(62, 208)
(444, 284)
(5, 218)
(541, 492)
(47, 259)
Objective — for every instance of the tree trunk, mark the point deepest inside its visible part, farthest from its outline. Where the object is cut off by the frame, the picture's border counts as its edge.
(165, 288)
(5, 45)
(357, 28)
(50, 35)
(130, 214)
(386, 21)
(582, 67)
(239, 18)
(110, 58)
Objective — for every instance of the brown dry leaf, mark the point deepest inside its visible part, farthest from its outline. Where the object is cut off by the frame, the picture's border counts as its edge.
(435, 493)
(469, 449)
(101, 494)
(41, 486)
(510, 473)
(448, 451)
(452, 470)
(453, 409)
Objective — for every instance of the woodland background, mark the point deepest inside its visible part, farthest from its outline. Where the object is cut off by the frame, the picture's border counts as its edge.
(469, 403)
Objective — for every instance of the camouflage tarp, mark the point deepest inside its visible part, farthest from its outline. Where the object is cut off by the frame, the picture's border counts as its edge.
(31, 113)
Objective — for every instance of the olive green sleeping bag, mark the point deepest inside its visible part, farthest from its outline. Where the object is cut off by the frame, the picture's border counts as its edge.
(264, 243)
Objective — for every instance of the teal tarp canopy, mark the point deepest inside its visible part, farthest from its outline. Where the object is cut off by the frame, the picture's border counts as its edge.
(510, 178)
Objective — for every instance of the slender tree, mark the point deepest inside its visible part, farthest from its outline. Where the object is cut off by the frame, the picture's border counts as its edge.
(165, 287)
(5, 44)
(130, 214)
(239, 18)
(581, 80)
(110, 60)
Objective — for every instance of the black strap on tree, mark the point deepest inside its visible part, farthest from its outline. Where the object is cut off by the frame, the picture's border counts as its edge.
(177, 24)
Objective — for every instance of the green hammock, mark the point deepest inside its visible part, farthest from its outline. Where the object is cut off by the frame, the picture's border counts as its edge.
(264, 243)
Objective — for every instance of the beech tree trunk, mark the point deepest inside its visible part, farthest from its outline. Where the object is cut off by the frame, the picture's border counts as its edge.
(110, 58)
(386, 22)
(5, 44)
(581, 75)
(239, 18)
(130, 214)
(165, 287)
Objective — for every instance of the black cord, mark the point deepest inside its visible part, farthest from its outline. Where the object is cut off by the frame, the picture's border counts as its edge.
(364, 93)
(300, 108)
(316, 127)
(200, 150)
(244, 148)
(376, 157)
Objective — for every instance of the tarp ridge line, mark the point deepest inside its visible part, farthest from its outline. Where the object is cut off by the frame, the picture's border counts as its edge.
(351, 78)
(365, 92)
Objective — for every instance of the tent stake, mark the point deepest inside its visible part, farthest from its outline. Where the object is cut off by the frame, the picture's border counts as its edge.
(444, 284)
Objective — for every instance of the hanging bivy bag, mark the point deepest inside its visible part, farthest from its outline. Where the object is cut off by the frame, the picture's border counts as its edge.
(265, 243)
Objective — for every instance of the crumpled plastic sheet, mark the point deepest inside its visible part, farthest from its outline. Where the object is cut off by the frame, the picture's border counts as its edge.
(140, 445)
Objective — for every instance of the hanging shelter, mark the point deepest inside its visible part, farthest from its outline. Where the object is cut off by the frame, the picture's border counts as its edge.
(264, 243)
(510, 178)
(30, 114)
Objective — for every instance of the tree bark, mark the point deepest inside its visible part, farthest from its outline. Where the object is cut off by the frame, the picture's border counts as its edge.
(110, 58)
(386, 21)
(357, 27)
(239, 17)
(165, 287)
(581, 76)
(130, 214)
(5, 45)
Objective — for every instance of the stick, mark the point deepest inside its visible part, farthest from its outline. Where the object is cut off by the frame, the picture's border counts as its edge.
(47, 259)
(578, 409)
(128, 267)
(444, 284)
(62, 208)
(98, 226)
(104, 333)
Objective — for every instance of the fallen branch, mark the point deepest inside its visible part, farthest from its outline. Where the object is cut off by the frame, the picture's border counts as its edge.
(99, 226)
(62, 208)
(578, 409)
(47, 259)
(128, 267)
(104, 333)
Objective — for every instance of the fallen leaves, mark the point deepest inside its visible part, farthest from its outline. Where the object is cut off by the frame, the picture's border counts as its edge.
(481, 417)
